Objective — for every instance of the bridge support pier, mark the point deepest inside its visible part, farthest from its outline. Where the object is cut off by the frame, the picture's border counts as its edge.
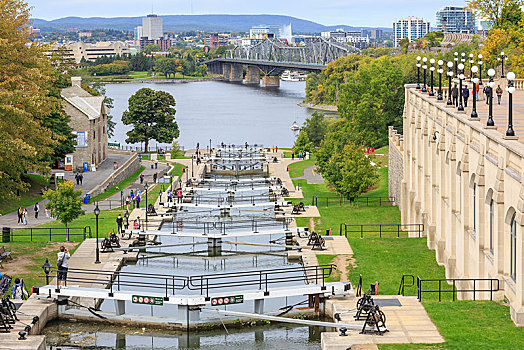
(226, 70)
(214, 246)
(252, 75)
(271, 81)
(237, 73)
(259, 306)
(188, 314)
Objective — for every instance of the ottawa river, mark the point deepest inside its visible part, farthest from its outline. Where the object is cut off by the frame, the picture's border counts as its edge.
(223, 112)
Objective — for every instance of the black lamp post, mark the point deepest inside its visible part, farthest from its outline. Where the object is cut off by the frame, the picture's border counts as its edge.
(510, 89)
(456, 63)
(461, 77)
(47, 269)
(432, 69)
(418, 72)
(97, 212)
(491, 85)
(475, 80)
(480, 71)
(192, 167)
(471, 66)
(146, 186)
(440, 71)
(450, 75)
(502, 58)
(425, 67)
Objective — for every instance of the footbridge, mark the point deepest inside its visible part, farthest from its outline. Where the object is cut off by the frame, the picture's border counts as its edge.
(271, 57)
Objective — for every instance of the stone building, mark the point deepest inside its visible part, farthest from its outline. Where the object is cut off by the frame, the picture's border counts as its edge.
(89, 122)
(463, 181)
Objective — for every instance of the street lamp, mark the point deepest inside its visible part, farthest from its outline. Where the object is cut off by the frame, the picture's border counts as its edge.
(463, 59)
(502, 58)
(456, 63)
(510, 89)
(480, 70)
(146, 186)
(432, 69)
(192, 174)
(47, 269)
(425, 67)
(461, 77)
(491, 85)
(209, 147)
(440, 71)
(475, 80)
(418, 72)
(97, 212)
(471, 66)
(450, 75)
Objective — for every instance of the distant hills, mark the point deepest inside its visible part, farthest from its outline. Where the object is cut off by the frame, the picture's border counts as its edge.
(181, 23)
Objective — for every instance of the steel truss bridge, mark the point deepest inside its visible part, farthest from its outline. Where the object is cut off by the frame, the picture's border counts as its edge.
(272, 57)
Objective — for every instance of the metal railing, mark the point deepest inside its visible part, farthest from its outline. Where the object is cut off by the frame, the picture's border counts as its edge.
(223, 227)
(403, 283)
(382, 229)
(261, 279)
(110, 203)
(169, 284)
(494, 286)
(49, 232)
(341, 200)
(233, 199)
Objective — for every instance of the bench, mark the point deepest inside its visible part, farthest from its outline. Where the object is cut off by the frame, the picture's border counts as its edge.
(5, 254)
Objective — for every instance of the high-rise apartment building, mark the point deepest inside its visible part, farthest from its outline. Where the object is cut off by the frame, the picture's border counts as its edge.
(411, 28)
(453, 19)
(152, 27)
(376, 34)
(138, 33)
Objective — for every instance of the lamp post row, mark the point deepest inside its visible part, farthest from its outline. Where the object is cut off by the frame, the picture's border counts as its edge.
(477, 81)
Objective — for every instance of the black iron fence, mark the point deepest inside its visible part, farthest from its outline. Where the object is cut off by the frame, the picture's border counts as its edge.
(357, 201)
(383, 230)
(442, 286)
(49, 234)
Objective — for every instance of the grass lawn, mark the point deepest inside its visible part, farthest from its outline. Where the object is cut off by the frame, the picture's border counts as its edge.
(325, 259)
(470, 325)
(26, 199)
(297, 169)
(177, 171)
(120, 186)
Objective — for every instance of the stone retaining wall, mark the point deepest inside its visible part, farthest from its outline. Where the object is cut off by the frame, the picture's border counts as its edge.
(395, 165)
(123, 172)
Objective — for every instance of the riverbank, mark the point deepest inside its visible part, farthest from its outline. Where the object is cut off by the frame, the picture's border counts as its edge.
(319, 107)
(162, 81)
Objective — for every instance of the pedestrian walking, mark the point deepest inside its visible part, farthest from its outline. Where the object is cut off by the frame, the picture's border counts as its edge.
(179, 195)
(62, 265)
(137, 200)
(81, 177)
(141, 179)
(454, 95)
(77, 178)
(20, 213)
(156, 165)
(465, 95)
(499, 93)
(169, 196)
(155, 176)
(132, 195)
(119, 222)
(36, 210)
(486, 93)
(46, 212)
(24, 216)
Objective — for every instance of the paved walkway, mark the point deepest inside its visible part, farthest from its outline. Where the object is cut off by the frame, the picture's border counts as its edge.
(280, 170)
(11, 219)
(311, 176)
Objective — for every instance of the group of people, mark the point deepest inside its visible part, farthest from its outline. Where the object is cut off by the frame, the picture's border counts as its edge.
(178, 193)
(274, 149)
(79, 178)
(465, 94)
(155, 177)
(134, 197)
(300, 155)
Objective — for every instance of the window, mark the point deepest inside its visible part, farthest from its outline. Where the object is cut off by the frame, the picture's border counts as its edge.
(81, 139)
(513, 249)
(474, 207)
(491, 224)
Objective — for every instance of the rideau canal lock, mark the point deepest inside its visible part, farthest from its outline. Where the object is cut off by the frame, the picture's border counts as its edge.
(226, 254)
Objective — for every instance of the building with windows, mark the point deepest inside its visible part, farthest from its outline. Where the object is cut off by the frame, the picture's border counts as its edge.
(152, 27)
(376, 34)
(411, 28)
(216, 40)
(453, 19)
(90, 52)
(464, 182)
(138, 33)
(263, 31)
(353, 38)
(164, 44)
(89, 122)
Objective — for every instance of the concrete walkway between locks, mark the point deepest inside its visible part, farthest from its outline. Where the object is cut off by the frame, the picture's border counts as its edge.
(280, 170)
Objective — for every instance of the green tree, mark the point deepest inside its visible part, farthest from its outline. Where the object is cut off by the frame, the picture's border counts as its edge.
(152, 115)
(64, 203)
(357, 173)
(404, 45)
(498, 12)
(175, 149)
(302, 143)
(316, 127)
(166, 66)
(151, 48)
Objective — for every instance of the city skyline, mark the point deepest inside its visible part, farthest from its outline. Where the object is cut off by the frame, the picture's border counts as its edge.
(337, 12)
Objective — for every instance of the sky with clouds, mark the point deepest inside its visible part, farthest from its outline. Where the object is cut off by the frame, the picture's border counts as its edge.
(328, 12)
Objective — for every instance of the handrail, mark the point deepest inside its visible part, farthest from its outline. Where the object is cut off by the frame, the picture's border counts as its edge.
(49, 232)
(380, 229)
(341, 199)
(403, 283)
(454, 290)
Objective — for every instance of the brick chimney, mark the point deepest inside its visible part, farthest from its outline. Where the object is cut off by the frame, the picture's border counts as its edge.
(76, 81)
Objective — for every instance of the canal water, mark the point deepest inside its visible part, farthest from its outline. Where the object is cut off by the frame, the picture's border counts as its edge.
(223, 112)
